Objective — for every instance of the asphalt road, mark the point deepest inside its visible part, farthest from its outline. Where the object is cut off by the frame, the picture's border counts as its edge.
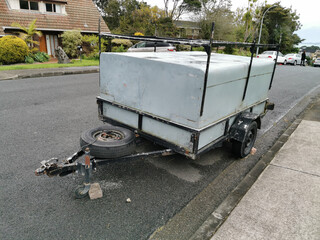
(43, 117)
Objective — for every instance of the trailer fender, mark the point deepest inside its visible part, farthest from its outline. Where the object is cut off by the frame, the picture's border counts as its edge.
(240, 126)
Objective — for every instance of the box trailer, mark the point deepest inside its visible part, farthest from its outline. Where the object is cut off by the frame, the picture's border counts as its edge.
(187, 102)
(160, 96)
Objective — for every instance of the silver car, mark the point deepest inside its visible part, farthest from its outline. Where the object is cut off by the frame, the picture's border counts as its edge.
(151, 46)
(317, 63)
(293, 58)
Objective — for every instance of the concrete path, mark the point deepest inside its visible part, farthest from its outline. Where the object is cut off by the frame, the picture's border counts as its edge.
(284, 203)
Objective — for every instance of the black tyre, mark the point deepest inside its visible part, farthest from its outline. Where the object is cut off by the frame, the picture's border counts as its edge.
(294, 63)
(285, 62)
(108, 141)
(80, 192)
(242, 149)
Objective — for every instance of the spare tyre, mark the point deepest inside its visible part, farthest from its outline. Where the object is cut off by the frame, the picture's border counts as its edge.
(108, 141)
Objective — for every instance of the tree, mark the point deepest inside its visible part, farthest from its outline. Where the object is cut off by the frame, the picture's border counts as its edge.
(279, 26)
(28, 33)
(114, 10)
(217, 11)
(247, 21)
(149, 21)
(180, 7)
(101, 4)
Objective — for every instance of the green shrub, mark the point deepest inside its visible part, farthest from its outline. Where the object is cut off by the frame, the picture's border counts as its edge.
(309, 61)
(118, 49)
(41, 57)
(93, 56)
(228, 49)
(70, 42)
(121, 42)
(183, 47)
(197, 48)
(29, 60)
(91, 45)
(12, 50)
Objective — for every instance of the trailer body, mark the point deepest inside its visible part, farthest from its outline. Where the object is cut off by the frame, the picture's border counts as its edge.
(159, 95)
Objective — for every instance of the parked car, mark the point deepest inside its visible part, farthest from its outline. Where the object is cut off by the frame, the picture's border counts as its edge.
(149, 47)
(272, 55)
(293, 58)
(317, 63)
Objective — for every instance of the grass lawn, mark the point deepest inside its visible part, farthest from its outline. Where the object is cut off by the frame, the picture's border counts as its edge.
(76, 63)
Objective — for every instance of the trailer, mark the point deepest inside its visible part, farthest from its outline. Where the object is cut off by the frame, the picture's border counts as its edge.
(186, 102)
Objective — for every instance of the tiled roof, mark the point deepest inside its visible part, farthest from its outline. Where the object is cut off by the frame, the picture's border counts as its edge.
(81, 14)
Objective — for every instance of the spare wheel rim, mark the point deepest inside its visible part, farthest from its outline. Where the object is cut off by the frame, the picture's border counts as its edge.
(108, 135)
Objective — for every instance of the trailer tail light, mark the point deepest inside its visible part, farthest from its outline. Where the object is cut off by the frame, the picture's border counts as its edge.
(171, 50)
(269, 56)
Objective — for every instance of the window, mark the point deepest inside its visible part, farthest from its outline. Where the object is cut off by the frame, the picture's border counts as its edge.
(29, 5)
(51, 7)
(24, 5)
(34, 6)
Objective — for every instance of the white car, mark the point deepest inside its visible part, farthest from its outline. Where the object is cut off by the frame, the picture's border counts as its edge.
(151, 46)
(293, 58)
(317, 63)
(272, 56)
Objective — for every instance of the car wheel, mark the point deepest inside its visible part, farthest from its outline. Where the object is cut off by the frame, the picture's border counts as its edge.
(285, 62)
(108, 141)
(242, 149)
(294, 63)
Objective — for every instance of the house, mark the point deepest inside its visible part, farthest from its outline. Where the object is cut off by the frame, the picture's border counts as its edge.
(53, 18)
(187, 29)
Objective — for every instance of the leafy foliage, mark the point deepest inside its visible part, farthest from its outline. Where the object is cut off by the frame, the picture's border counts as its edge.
(280, 23)
(70, 41)
(28, 33)
(12, 50)
(121, 42)
(29, 60)
(179, 7)
(118, 49)
(91, 43)
(279, 26)
(217, 11)
(116, 10)
(41, 57)
(131, 16)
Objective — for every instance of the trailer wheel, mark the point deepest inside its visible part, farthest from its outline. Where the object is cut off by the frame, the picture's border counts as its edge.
(108, 141)
(242, 149)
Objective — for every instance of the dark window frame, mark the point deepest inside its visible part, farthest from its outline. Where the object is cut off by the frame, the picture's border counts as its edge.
(32, 5)
(53, 7)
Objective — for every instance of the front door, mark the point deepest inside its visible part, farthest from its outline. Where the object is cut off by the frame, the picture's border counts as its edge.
(42, 43)
(52, 44)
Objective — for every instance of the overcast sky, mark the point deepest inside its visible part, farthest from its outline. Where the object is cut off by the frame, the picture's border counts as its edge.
(307, 9)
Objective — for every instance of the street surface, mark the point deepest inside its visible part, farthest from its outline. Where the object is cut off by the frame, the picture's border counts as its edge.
(42, 118)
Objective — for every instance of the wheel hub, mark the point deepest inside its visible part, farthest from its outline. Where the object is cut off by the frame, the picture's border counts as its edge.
(108, 136)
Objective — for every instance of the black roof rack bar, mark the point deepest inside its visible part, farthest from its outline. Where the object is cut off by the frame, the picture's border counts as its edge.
(184, 41)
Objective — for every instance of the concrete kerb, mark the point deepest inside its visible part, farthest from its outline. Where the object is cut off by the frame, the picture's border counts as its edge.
(55, 72)
(216, 219)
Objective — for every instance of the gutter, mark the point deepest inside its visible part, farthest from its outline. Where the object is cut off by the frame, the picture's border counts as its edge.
(53, 30)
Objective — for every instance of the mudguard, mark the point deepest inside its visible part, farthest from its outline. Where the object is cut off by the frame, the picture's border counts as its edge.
(240, 126)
